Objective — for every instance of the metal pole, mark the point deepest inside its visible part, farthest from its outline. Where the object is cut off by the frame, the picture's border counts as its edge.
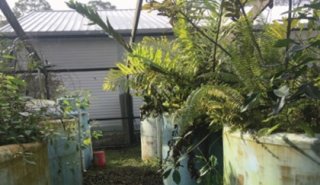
(11, 18)
(136, 21)
(126, 96)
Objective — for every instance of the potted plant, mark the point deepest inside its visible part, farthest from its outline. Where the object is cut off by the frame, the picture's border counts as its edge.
(274, 87)
(283, 98)
(164, 73)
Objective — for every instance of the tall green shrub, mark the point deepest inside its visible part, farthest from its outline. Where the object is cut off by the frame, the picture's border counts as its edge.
(17, 123)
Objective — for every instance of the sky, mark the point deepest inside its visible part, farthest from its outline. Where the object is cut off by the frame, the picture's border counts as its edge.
(60, 4)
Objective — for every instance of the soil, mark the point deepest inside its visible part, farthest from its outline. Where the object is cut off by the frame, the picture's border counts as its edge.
(124, 167)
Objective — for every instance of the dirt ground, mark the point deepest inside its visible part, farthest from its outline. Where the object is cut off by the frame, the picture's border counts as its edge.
(124, 167)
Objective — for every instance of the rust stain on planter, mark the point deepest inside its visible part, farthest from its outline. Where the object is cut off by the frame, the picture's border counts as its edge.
(240, 180)
(286, 174)
(150, 136)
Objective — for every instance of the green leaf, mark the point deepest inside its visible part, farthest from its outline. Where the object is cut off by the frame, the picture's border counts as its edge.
(282, 91)
(312, 91)
(278, 107)
(166, 173)
(283, 43)
(307, 129)
(94, 17)
(313, 6)
(213, 160)
(306, 89)
(176, 176)
(268, 131)
(252, 97)
(204, 170)
(6, 56)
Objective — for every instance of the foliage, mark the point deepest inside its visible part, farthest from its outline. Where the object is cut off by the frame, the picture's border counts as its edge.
(17, 123)
(101, 5)
(277, 77)
(165, 72)
(25, 6)
(221, 70)
(155, 73)
(155, 68)
(93, 16)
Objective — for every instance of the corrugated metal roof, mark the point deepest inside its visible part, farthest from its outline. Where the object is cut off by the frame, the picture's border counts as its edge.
(69, 22)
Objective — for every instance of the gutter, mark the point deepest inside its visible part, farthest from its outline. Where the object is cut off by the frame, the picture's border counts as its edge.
(81, 34)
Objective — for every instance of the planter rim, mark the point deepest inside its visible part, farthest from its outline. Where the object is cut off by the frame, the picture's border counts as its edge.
(277, 139)
(11, 151)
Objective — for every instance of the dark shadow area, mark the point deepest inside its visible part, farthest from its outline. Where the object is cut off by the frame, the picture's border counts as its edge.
(314, 147)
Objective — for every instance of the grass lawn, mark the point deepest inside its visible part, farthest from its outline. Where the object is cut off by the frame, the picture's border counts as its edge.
(124, 167)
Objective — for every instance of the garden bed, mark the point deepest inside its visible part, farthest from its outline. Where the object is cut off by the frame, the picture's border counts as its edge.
(124, 167)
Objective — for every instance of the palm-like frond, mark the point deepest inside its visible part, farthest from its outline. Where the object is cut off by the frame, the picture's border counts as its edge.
(92, 15)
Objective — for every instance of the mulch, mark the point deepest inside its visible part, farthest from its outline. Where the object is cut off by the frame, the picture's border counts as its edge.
(122, 176)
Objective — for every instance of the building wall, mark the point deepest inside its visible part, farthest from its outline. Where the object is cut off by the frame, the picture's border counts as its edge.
(79, 53)
(90, 53)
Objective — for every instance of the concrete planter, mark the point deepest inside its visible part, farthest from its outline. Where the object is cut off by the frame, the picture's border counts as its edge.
(14, 169)
(151, 129)
(168, 133)
(64, 151)
(278, 159)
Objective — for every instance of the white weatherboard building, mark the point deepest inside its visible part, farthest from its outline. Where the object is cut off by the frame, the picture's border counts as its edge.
(81, 55)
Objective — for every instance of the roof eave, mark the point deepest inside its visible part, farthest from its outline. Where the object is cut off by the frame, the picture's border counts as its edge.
(97, 33)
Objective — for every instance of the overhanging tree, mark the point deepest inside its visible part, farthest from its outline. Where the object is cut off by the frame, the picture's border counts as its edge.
(101, 5)
(25, 6)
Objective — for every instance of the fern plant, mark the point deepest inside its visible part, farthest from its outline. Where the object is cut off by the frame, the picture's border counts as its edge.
(276, 75)
(162, 72)
(221, 70)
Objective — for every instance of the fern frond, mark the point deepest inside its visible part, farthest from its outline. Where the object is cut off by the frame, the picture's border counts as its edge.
(113, 80)
(217, 101)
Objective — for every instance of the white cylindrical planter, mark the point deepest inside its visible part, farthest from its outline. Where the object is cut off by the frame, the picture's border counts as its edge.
(150, 133)
(278, 159)
(168, 133)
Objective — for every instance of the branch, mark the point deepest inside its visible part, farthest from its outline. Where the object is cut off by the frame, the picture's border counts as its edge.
(217, 35)
(11, 18)
(286, 62)
(253, 38)
(204, 34)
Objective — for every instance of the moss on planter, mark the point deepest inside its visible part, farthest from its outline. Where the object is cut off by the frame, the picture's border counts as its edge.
(24, 164)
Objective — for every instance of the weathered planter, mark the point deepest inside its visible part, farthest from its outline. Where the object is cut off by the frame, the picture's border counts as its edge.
(150, 133)
(65, 153)
(168, 132)
(85, 132)
(14, 169)
(278, 159)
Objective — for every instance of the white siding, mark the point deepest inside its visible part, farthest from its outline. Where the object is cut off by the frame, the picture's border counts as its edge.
(79, 53)
(103, 104)
(137, 102)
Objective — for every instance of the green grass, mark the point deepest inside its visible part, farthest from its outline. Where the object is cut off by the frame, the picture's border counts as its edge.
(128, 157)
(124, 167)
